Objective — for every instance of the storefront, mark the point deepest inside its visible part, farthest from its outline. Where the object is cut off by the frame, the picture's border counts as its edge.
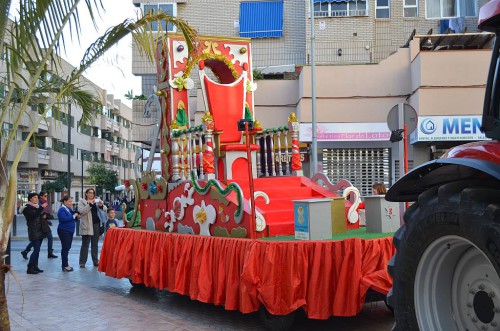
(27, 181)
(358, 152)
(440, 133)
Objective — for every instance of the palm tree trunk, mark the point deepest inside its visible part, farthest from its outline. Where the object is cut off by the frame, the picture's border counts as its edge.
(4, 311)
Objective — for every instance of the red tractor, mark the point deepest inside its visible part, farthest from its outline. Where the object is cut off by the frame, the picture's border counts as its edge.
(447, 266)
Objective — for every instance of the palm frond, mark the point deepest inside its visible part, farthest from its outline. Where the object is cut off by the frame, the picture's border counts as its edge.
(4, 19)
(140, 30)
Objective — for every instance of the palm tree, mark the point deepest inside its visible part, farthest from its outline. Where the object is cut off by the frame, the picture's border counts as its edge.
(24, 62)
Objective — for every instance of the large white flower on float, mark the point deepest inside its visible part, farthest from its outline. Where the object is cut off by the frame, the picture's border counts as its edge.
(204, 216)
(180, 83)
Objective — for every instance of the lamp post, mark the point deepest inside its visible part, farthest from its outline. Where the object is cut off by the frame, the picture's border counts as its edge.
(82, 152)
(68, 120)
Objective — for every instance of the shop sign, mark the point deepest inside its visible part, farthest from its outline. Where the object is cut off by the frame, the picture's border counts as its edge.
(47, 174)
(304, 156)
(345, 132)
(29, 176)
(448, 128)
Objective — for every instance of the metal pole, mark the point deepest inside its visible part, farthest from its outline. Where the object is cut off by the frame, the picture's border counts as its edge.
(69, 148)
(83, 153)
(314, 163)
(253, 220)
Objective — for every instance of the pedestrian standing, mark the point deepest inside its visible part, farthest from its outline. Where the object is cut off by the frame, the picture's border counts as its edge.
(111, 221)
(91, 210)
(33, 213)
(42, 200)
(66, 228)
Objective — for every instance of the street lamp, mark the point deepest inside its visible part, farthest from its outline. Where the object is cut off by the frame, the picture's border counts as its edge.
(82, 152)
(68, 121)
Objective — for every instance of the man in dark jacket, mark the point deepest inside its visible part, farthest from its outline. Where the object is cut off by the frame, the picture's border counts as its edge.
(33, 213)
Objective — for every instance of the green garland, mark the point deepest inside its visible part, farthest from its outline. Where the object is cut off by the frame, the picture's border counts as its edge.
(238, 215)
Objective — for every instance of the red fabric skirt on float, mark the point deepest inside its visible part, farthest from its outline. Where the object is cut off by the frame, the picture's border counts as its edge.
(325, 278)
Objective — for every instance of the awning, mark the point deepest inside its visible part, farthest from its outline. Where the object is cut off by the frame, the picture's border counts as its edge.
(263, 19)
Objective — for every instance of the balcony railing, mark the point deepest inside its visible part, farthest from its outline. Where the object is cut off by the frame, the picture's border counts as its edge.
(342, 13)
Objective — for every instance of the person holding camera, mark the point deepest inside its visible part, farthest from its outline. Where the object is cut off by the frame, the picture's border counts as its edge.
(33, 213)
(42, 201)
(92, 212)
(66, 228)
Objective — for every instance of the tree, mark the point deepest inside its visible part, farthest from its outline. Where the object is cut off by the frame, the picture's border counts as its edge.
(57, 185)
(33, 44)
(104, 178)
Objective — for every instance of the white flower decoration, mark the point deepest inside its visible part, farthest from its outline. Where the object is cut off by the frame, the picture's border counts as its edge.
(204, 216)
(180, 82)
(251, 86)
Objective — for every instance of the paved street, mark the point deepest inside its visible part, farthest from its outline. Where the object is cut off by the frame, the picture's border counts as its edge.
(87, 300)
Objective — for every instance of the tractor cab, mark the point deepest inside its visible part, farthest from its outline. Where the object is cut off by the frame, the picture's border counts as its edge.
(489, 20)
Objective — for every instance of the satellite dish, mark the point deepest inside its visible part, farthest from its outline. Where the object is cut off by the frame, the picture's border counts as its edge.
(410, 118)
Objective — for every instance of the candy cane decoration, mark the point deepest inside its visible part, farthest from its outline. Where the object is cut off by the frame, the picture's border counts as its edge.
(293, 125)
(352, 214)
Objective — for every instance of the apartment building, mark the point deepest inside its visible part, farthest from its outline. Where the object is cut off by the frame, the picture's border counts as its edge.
(365, 66)
(62, 146)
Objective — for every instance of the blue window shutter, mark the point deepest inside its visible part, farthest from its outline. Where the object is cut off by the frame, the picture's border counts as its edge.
(263, 19)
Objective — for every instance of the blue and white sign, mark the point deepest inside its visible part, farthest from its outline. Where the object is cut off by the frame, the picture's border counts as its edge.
(448, 128)
(301, 215)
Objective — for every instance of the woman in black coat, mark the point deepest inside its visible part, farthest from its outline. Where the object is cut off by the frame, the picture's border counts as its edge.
(33, 213)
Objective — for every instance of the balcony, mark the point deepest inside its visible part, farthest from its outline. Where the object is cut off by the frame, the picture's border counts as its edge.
(97, 145)
(342, 13)
(14, 147)
(116, 129)
(116, 149)
(58, 161)
(109, 146)
(124, 132)
(124, 155)
(43, 156)
(55, 129)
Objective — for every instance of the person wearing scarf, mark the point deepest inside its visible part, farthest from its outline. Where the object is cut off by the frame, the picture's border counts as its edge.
(42, 200)
(33, 213)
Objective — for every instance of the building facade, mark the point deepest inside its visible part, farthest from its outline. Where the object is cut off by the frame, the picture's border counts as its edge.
(370, 56)
(62, 146)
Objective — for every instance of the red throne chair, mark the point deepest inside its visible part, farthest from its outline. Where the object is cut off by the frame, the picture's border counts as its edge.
(226, 104)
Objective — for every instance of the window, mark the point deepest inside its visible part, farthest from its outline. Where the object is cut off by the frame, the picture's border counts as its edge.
(85, 129)
(262, 19)
(340, 8)
(6, 129)
(62, 147)
(410, 8)
(166, 8)
(382, 9)
(450, 8)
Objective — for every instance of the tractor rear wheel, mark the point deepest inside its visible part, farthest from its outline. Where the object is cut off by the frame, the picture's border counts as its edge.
(446, 268)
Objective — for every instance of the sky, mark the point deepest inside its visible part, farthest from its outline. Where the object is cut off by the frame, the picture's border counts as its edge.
(113, 72)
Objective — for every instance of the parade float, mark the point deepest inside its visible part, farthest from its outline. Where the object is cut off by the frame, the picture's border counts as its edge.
(219, 224)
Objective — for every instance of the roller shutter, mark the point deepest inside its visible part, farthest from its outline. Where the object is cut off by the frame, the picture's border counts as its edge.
(361, 166)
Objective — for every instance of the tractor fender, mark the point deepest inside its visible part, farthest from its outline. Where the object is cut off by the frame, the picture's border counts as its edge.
(438, 172)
